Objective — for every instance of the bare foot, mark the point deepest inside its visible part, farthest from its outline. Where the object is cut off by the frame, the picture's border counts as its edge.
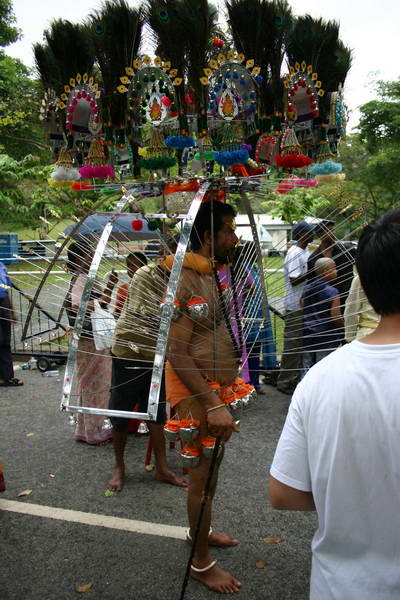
(117, 480)
(171, 477)
(222, 540)
(218, 580)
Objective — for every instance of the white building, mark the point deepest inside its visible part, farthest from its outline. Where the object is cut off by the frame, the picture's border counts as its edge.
(272, 231)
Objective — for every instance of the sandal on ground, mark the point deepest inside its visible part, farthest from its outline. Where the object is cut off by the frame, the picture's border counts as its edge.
(12, 383)
(207, 568)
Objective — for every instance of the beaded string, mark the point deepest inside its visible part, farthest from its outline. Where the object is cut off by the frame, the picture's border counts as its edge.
(236, 308)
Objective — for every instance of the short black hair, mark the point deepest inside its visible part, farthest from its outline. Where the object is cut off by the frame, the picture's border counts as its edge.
(378, 263)
(138, 256)
(76, 250)
(213, 210)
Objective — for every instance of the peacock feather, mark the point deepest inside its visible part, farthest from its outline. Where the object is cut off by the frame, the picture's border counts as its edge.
(115, 32)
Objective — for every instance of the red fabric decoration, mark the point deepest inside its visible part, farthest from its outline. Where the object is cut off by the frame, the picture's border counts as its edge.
(286, 185)
(218, 195)
(81, 186)
(171, 188)
(137, 225)
(293, 161)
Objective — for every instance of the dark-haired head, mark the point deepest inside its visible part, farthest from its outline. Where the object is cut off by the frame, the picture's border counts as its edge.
(134, 261)
(210, 217)
(245, 254)
(378, 263)
(79, 253)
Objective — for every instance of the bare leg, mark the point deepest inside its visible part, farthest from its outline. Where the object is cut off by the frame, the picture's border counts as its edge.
(215, 578)
(163, 473)
(116, 482)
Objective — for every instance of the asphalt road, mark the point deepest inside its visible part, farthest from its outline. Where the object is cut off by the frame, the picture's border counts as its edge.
(43, 558)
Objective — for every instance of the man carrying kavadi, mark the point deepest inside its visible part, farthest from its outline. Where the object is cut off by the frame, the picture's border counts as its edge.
(201, 369)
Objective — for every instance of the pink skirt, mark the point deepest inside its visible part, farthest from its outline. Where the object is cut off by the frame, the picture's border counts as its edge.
(93, 389)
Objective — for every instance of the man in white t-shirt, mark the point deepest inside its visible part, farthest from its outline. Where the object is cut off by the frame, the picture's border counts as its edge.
(339, 452)
(295, 273)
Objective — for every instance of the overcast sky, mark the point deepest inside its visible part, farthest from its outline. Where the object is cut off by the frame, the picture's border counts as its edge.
(369, 27)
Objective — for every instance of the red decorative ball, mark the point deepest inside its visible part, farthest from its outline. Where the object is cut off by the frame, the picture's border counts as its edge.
(296, 87)
(292, 93)
(79, 95)
(315, 113)
(218, 43)
(74, 101)
(84, 94)
(92, 104)
(189, 98)
(137, 225)
(308, 91)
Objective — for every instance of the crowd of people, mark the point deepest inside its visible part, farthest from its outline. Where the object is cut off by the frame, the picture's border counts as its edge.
(338, 452)
(325, 306)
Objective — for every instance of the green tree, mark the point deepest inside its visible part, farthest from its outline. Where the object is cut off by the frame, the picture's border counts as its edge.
(20, 129)
(8, 32)
(380, 119)
(27, 199)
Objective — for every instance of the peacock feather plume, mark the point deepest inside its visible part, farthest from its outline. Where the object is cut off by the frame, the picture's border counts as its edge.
(182, 30)
(47, 67)
(115, 32)
(260, 29)
(317, 42)
(71, 47)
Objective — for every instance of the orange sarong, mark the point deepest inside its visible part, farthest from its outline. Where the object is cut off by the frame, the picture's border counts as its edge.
(174, 388)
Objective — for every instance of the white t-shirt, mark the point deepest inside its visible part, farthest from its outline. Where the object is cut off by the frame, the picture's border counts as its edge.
(341, 441)
(295, 265)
